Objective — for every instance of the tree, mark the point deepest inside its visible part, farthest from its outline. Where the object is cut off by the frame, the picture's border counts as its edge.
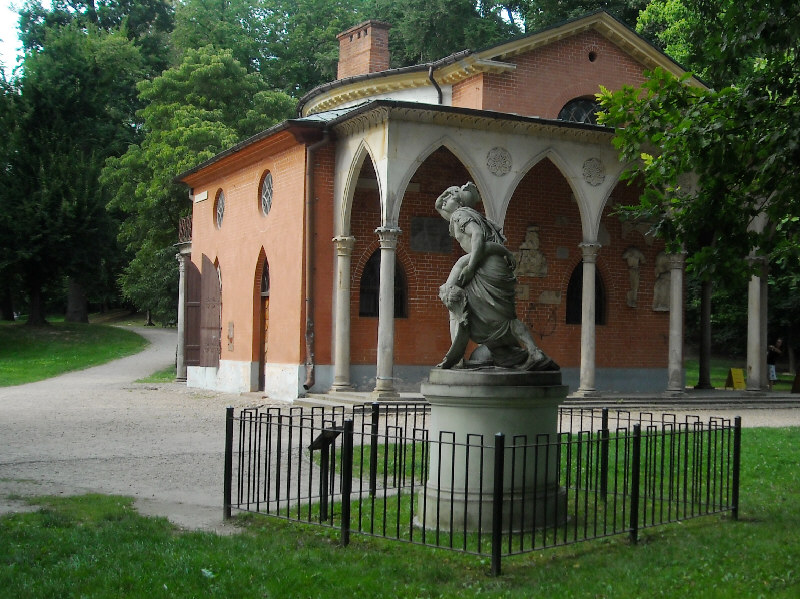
(537, 14)
(742, 142)
(426, 30)
(145, 22)
(207, 103)
(292, 43)
(72, 109)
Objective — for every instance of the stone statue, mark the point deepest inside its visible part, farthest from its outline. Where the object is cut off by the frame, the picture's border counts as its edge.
(662, 284)
(479, 293)
(531, 262)
(634, 257)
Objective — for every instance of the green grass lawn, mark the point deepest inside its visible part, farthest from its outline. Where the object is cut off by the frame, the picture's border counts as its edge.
(30, 354)
(97, 546)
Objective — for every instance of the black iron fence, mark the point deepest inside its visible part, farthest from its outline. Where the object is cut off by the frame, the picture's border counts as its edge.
(374, 470)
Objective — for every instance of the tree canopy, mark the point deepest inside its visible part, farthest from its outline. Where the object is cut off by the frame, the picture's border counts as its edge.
(192, 111)
(70, 112)
(740, 137)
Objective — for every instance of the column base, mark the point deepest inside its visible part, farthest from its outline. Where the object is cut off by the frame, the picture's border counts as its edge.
(586, 393)
(342, 388)
(523, 511)
(379, 394)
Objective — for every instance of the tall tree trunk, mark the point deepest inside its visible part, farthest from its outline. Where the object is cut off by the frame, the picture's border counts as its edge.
(6, 305)
(77, 305)
(704, 366)
(35, 314)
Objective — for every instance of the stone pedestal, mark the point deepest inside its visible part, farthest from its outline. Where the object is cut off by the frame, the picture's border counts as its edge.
(468, 408)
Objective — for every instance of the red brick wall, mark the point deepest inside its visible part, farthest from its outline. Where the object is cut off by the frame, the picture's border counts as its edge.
(324, 252)
(631, 337)
(547, 78)
(424, 337)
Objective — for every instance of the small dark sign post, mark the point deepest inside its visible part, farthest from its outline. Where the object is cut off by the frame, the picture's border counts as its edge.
(323, 443)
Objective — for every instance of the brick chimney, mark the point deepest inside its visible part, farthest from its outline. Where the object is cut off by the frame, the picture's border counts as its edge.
(364, 49)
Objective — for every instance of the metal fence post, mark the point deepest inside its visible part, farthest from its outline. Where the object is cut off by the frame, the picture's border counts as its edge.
(347, 478)
(228, 470)
(497, 502)
(737, 462)
(636, 459)
(373, 450)
(604, 442)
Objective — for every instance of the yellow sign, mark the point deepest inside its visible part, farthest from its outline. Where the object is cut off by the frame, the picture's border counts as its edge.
(735, 379)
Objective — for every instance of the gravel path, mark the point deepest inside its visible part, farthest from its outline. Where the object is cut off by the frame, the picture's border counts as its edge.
(97, 431)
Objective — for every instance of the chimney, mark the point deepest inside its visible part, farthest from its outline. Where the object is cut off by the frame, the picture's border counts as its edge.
(364, 49)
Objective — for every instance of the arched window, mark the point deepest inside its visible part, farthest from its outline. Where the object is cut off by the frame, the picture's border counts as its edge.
(575, 297)
(219, 208)
(580, 110)
(266, 193)
(369, 289)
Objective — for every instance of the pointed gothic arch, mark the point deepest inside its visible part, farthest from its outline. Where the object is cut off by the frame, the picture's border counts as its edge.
(460, 153)
(363, 151)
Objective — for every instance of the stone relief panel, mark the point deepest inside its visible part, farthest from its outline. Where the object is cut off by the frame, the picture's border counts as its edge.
(531, 262)
(634, 258)
(661, 295)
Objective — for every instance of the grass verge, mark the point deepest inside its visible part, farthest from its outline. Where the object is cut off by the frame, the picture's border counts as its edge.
(29, 354)
(97, 546)
(719, 373)
(167, 375)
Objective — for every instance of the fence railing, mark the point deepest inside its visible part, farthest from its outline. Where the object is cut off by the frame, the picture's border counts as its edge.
(374, 470)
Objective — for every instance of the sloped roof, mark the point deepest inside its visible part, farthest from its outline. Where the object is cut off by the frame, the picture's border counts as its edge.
(464, 64)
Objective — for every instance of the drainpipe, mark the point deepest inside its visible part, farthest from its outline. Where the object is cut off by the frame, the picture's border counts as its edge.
(309, 251)
(436, 85)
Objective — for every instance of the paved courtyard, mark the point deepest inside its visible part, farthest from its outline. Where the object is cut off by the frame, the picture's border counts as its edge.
(98, 431)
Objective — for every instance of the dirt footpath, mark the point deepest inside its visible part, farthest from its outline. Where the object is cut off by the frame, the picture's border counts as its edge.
(98, 431)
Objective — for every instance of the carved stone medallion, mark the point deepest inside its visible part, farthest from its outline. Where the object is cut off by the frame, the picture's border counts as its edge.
(594, 172)
(499, 161)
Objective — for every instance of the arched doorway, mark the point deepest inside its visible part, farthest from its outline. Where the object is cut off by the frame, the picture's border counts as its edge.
(263, 327)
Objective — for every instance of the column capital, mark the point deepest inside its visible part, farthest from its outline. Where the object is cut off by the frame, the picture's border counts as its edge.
(388, 237)
(677, 260)
(590, 249)
(181, 258)
(344, 244)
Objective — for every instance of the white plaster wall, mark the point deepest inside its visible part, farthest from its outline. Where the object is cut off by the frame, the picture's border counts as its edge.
(231, 376)
(283, 381)
(201, 377)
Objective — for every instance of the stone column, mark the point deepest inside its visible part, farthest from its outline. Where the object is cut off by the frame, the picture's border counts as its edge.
(756, 325)
(384, 381)
(180, 354)
(675, 382)
(341, 342)
(586, 387)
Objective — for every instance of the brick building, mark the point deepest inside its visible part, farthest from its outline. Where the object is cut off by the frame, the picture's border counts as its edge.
(316, 253)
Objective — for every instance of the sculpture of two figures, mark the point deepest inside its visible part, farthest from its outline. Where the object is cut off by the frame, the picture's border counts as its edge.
(479, 293)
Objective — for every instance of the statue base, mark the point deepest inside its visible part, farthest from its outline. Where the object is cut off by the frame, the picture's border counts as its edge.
(468, 408)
